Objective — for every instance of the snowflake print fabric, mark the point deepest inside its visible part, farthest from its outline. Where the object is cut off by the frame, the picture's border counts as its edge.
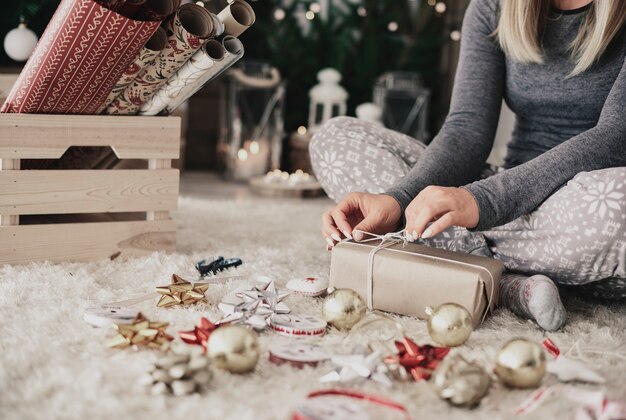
(576, 237)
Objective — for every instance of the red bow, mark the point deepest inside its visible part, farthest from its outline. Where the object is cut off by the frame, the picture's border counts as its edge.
(419, 361)
(200, 334)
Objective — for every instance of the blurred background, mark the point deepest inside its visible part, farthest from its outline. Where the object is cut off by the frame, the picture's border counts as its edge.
(389, 61)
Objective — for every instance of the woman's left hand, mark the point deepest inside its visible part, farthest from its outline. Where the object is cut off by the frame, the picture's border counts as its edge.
(445, 207)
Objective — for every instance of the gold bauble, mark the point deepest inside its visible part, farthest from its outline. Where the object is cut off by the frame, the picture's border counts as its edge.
(234, 348)
(343, 308)
(450, 325)
(521, 363)
(460, 382)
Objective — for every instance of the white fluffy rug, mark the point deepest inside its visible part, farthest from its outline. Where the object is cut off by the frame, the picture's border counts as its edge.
(53, 365)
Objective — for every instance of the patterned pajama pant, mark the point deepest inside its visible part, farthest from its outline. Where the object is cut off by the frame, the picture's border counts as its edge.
(576, 237)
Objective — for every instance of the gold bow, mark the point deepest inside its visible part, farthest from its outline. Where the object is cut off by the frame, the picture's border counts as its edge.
(141, 332)
(181, 292)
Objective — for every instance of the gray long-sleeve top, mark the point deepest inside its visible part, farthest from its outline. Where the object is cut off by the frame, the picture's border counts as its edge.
(563, 125)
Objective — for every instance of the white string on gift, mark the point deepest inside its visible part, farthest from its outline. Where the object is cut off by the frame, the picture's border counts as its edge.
(386, 241)
(392, 238)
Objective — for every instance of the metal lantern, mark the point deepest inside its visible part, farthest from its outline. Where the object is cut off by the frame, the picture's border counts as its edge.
(328, 98)
(251, 120)
(405, 102)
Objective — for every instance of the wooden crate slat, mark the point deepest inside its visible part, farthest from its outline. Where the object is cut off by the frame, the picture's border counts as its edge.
(84, 241)
(41, 136)
(87, 191)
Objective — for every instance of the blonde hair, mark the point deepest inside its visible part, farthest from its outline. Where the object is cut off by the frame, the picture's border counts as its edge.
(522, 23)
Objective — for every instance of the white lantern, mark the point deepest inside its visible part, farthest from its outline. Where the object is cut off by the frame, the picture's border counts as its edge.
(20, 42)
(328, 98)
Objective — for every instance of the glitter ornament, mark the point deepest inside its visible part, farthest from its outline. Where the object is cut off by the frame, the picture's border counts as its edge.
(234, 348)
(450, 324)
(343, 309)
(521, 363)
(460, 382)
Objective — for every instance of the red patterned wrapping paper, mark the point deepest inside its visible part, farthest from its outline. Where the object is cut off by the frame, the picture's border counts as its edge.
(146, 56)
(81, 55)
(187, 31)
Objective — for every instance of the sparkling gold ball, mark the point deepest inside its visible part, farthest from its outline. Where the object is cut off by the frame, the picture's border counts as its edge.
(521, 363)
(343, 308)
(460, 382)
(234, 348)
(450, 325)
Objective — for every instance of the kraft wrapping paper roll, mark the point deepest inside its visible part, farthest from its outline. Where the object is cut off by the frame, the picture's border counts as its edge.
(146, 56)
(237, 17)
(233, 52)
(187, 31)
(74, 67)
(188, 74)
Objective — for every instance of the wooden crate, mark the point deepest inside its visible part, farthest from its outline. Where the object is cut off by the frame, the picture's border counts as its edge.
(108, 213)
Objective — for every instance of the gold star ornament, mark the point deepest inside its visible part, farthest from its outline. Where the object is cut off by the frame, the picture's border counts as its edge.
(141, 332)
(181, 292)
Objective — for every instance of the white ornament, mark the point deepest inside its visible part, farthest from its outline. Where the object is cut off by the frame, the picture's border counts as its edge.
(370, 112)
(20, 42)
(328, 98)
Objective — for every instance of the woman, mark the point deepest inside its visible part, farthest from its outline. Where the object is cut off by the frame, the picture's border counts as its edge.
(557, 213)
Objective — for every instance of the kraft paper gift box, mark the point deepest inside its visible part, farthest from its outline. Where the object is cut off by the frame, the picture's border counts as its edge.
(406, 279)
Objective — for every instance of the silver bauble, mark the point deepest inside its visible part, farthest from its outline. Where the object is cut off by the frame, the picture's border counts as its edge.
(450, 325)
(521, 363)
(234, 348)
(343, 308)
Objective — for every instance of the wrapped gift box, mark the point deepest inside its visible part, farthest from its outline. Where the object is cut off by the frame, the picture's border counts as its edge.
(408, 278)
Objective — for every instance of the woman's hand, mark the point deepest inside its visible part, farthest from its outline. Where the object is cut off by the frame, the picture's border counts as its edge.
(375, 213)
(445, 207)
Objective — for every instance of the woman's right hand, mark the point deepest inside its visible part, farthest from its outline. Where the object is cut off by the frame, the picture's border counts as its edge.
(375, 213)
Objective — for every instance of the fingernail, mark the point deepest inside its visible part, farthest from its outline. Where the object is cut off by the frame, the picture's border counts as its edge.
(330, 242)
(336, 237)
(328, 248)
(427, 233)
(415, 235)
(357, 235)
(347, 234)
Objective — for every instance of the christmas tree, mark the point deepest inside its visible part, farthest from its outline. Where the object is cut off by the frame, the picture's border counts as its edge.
(360, 38)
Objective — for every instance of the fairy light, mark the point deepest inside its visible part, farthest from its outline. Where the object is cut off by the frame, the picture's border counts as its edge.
(279, 14)
(455, 35)
(432, 2)
(242, 155)
(315, 7)
(393, 26)
(302, 130)
(309, 15)
(440, 7)
(200, 3)
(361, 11)
(254, 147)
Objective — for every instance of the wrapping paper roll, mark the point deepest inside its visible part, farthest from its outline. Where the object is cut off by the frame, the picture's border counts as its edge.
(237, 17)
(131, 7)
(188, 74)
(187, 31)
(146, 56)
(115, 5)
(233, 52)
(74, 66)
(156, 9)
